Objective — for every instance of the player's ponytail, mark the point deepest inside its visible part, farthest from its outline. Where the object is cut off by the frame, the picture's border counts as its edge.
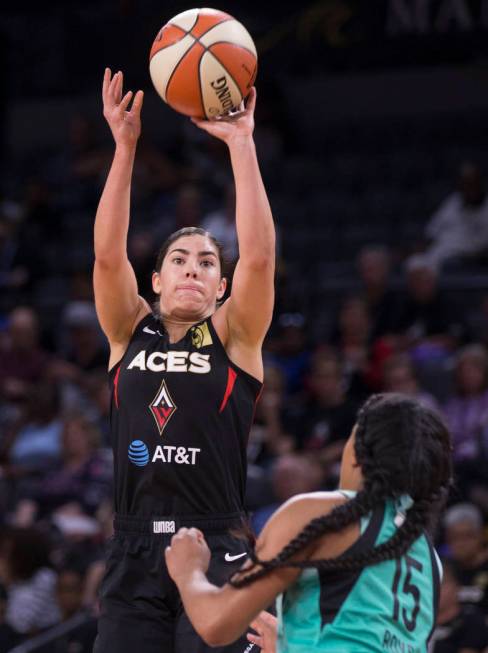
(403, 448)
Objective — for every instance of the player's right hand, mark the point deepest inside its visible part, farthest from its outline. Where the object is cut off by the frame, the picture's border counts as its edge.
(124, 124)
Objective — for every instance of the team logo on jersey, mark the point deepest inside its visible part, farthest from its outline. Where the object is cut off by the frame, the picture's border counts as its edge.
(200, 336)
(162, 407)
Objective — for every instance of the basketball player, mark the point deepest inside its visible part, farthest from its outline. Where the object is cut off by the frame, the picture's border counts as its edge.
(354, 570)
(185, 379)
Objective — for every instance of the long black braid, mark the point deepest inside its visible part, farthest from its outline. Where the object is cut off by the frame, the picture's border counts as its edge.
(403, 448)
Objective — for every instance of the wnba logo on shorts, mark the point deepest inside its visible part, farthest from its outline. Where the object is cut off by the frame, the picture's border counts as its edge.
(164, 527)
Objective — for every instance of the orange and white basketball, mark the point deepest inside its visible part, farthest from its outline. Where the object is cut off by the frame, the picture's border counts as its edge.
(203, 63)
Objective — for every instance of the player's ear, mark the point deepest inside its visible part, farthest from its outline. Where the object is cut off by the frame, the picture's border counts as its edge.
(156, 283)
(221, 289)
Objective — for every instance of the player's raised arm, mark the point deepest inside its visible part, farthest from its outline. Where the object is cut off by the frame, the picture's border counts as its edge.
(116, 296)
(248, 311)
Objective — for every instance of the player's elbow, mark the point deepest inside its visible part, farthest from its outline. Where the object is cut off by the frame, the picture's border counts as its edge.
(217, 633)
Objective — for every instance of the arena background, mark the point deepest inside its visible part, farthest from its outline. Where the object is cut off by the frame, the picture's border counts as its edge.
(371, 122)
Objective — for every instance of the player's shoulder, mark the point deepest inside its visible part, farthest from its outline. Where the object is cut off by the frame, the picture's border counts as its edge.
(295, 514)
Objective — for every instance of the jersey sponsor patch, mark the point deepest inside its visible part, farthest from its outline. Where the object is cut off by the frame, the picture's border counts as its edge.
(162, 407)
(140, 456)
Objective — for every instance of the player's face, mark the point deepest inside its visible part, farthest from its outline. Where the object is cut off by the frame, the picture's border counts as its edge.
(189, 283)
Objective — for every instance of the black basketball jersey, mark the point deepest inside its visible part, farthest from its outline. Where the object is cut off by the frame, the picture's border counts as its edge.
(180, 419)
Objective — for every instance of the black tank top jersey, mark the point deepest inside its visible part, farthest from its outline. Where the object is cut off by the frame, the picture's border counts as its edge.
(180, 419)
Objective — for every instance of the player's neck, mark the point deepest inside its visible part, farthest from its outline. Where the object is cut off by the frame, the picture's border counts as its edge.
(176, 327)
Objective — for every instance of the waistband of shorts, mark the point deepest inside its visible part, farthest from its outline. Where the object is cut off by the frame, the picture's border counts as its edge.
(169, 524)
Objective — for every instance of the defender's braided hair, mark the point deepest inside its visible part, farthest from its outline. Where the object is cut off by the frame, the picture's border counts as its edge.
(403, 448)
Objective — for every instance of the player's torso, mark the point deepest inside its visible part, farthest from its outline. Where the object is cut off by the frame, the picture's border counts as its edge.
(180, 418)
(387, 607)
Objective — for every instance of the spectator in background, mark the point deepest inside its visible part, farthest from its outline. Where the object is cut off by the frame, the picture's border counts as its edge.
(78, 628)
(463, 526)
(221, 224)
(291, 474)
(352, 340)
(34, 441)
(19, 264)
(186, 212)
(459, 228)
(83, 347)
(427, 322)
(25, 570)
(328, 415)
(399, 376)
(271, 429)
(467, 410)
(290, 351)
(374, 267)
(141, 247)
(81, 479)
(459, 628)
(23, 361)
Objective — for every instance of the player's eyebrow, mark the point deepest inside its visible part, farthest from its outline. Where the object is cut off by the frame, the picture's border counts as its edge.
(204, 252)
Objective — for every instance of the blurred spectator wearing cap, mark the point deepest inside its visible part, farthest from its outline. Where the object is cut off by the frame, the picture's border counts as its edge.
(374, 267)
(467, 410)
(459, 227)
(464, 533)
(25, 571)
(459, 628)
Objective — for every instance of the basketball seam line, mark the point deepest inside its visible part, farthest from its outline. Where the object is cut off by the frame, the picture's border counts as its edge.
(236, 45)
(197, 38)
(174, 42)
(175, 67)
(204, 109)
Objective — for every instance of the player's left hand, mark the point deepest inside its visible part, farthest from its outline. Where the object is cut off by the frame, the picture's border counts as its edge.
(232, 126)
(187, 552)
(266, 627)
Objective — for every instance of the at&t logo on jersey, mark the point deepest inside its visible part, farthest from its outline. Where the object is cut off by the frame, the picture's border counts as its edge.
(171, 361)
(162, 407)
(139, 454)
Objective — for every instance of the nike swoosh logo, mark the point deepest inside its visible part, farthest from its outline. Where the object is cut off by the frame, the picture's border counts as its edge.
(153, 333)
(230, 558)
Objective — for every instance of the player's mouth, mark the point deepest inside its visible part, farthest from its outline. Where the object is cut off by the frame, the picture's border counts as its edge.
(190, 288)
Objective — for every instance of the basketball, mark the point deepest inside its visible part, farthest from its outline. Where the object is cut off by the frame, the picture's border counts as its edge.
(203, 63)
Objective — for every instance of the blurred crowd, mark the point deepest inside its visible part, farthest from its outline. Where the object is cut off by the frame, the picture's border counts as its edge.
(396, 329)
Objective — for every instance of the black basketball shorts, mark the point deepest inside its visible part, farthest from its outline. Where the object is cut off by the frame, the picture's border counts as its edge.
(141, 611)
